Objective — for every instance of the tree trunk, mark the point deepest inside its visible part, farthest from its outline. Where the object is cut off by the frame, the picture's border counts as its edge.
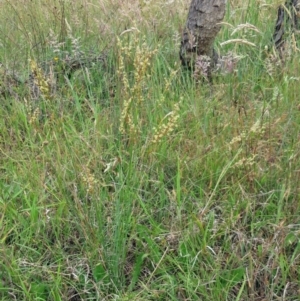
(201, 29)
(287, 20)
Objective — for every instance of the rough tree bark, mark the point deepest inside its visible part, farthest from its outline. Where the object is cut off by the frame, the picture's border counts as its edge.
(287, 19)
(202, 26)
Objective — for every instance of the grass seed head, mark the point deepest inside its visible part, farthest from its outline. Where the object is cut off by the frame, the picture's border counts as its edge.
(166, 129)
(40, 80)
(136, 55)
(34, 116)
(89, 180)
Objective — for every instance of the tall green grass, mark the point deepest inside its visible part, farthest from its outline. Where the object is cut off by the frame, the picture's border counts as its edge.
(134, 181)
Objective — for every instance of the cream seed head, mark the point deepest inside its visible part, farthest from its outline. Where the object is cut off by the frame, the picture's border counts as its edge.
(167, 128)
(40, 80)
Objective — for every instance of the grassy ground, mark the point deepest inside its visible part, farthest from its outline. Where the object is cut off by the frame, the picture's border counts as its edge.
(132, 181)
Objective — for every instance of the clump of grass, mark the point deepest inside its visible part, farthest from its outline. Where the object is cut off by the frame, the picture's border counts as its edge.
(167, 188)
(132, 90)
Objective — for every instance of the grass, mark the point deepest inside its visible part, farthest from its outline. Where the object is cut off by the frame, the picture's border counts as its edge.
(133, 181)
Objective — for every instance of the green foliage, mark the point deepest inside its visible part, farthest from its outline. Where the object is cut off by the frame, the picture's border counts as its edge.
(135, 181)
